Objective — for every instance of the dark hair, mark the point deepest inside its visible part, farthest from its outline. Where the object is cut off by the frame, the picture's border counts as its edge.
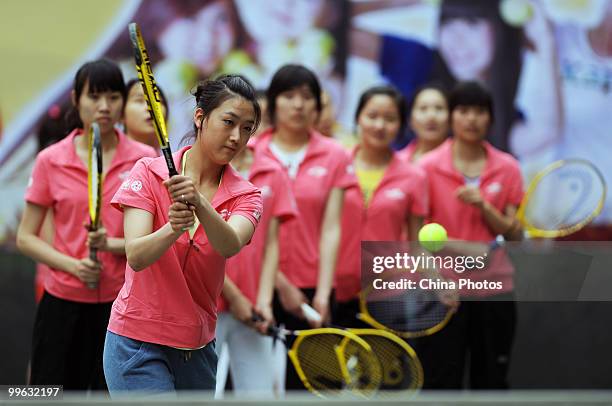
(212, 93)
(133, 82)
(468, 9)
(392, 92)
(427, 86)
(53, 127)
(289, 77)
(260, 94)
(102, 75)
(471, 93)
(505, 67)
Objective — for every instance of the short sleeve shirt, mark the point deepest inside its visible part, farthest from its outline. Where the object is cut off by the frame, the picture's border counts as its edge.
(402, 193)
(173, 302)
(59, 182)
(326, 166)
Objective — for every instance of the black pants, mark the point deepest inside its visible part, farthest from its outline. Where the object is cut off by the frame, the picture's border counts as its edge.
(481, 333)
(292, 380)
(68, 342)
(345, 315)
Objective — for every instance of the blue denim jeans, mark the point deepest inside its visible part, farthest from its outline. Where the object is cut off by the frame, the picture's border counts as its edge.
(132, 365)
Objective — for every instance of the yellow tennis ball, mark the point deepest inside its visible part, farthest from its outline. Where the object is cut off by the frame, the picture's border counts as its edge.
(433, 237)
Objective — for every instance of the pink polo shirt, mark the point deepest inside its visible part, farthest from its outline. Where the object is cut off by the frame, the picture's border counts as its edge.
(173, 302)
(59, 181)
(406, 153)
(244, 269)
(402, 192)
(500, 184)
(326, 165)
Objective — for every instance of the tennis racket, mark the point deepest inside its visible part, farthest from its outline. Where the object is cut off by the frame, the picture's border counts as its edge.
(408, 313)
(151, 95)
(331, 361)
(94, 185)
(401, 368)
(562, 198)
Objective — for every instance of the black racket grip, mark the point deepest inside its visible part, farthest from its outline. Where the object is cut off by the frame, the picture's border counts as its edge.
(172, 171)
(169, 161)
(271, 331)
(93, 255)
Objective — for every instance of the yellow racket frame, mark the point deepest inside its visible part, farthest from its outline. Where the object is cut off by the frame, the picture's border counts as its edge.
(365, 316)
(151, 95)
(145, 75)
(418, 382)
(538, 233)
(303, 334)
(94, 206)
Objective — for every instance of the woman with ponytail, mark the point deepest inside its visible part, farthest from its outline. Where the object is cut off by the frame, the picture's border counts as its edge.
(179, 231)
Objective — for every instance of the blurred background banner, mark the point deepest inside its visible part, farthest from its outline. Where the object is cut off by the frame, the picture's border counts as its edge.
(547, 62)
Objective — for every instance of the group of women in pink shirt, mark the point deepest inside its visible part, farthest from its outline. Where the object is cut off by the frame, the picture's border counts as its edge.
(253, 227)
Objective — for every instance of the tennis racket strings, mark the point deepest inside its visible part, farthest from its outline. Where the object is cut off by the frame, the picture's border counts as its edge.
(401, 368)
(335, 362)
(94, 176)
(151, 94)
(94, 187)
(406, 312)
(563, 198)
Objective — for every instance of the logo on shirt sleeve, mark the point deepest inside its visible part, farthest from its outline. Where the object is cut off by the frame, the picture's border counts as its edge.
(124, 175)
(125, 185)
(350, 169)
(395, 194)
(317, 171)
(494, 188)
(30, 181)
(225, 214)
(256, 214)
(136, 186)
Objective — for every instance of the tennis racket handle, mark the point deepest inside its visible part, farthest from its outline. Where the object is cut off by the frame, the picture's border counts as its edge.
(172, 171)
(93, 255)
(310, 313)
(272, 331)
(169, 161)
